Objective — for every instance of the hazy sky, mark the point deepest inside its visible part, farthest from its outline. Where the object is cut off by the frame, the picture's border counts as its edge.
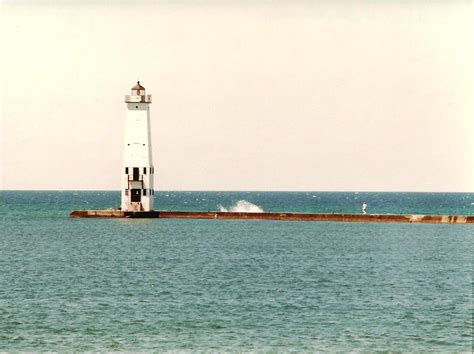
(282, 95)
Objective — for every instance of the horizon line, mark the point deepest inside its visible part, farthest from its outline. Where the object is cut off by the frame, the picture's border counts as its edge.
(235, 191)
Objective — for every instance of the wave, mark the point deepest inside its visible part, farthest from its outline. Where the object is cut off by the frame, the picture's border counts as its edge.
(242, 206)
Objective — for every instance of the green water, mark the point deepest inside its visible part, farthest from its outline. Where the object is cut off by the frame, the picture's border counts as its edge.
(163, 285)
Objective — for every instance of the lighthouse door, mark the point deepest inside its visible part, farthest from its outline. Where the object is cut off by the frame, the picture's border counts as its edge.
(136, 195)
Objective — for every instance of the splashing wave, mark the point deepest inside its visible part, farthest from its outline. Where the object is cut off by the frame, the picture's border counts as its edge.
(242, 206)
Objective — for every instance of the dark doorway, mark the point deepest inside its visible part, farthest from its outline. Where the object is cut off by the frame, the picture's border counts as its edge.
(136, 195)
(136, 173)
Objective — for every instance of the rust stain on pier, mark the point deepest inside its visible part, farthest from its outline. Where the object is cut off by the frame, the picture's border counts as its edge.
(394, 218)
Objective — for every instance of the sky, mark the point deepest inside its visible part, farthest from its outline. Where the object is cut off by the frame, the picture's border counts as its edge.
(277, 95)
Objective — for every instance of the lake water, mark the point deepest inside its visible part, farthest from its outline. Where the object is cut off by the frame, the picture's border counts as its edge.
(234, 285)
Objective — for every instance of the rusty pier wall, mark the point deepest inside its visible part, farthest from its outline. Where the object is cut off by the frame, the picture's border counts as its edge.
(393, 218)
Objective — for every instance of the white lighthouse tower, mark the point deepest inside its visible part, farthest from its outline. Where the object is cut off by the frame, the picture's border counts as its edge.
(138, 171)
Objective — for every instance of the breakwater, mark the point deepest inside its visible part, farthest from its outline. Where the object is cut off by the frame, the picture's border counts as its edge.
(393, 218)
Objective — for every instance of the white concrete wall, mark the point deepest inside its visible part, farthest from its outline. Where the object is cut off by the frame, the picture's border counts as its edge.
(137, 149)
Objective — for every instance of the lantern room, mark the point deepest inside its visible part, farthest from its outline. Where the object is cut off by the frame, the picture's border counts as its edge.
(138, 95)
(138, 90)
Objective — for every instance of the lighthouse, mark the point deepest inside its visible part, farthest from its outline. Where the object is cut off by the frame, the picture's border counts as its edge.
(138, 171)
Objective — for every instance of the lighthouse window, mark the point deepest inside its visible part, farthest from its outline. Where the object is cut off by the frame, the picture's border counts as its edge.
(144, 170)
(126, 170)
(144, 192)
(136, 174)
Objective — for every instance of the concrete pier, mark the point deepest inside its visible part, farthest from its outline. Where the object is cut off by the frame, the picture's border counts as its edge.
(394, 218)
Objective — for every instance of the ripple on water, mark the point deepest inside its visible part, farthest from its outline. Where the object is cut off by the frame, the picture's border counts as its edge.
(118, 285)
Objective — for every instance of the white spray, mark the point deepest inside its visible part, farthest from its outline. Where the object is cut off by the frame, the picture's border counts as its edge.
(242, 206)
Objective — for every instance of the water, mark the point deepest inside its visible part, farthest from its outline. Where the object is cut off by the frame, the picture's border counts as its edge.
(234, 285)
